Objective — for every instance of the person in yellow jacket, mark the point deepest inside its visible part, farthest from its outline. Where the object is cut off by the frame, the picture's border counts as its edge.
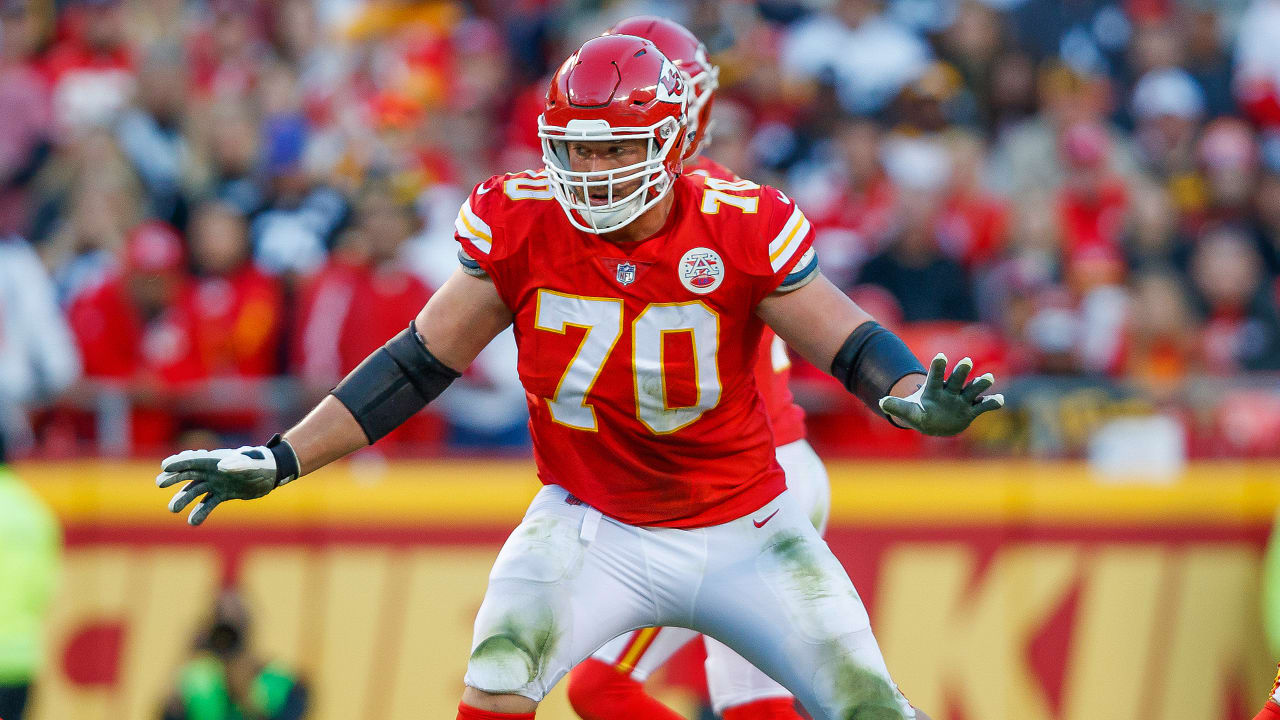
(30, 553)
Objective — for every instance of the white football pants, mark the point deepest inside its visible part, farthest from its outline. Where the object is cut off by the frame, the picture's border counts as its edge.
(766, 585)
(731, 680)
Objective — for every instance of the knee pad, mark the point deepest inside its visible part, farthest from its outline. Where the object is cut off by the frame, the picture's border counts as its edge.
(500, 664)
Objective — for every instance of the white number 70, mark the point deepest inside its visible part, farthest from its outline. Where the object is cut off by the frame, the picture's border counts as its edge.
(602, 320)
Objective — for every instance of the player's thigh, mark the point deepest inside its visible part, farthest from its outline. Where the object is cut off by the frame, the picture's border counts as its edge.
(732, 681)
(639, 653)
(807, 480)
(781, 600)
(555, 594)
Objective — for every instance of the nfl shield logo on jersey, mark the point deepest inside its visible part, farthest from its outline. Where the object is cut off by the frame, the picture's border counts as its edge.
(626, 273)
(701, 270)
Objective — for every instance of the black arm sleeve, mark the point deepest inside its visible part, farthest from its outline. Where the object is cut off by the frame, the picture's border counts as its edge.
(393, 384)
(871, 361)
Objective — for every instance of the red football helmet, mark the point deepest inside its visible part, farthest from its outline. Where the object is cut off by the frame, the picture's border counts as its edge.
(614, 87)
(690, 55)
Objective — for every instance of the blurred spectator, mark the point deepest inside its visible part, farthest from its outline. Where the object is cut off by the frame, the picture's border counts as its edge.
(1243, 329)
(25, 138)
(850, 202)
(1010, 98)
(135, 335)
(1167, 106)
(927, 284)
(231, 155)
(151, 133)
(226, 679)
(973, 224)
(235, 309)
(866, 55)
(226, 51)
(364, 295)
(1228, 156)
(38, 358)
(1093, 200)
(1027, 156)
(1009, 292)
(301, 217)
(1257, 79)
(91, 200)
(1161, 347)
(974, 45)
(29, 561)
(91, 67)
(1208, 59)
(1153, 240)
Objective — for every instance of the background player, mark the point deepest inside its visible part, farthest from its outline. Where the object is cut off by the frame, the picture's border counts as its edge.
(611, 683)
(662, 503)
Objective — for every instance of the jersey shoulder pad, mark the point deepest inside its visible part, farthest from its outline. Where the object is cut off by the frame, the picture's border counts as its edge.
(491, 217)
(772, 240)
(787, 237)
(769, 235)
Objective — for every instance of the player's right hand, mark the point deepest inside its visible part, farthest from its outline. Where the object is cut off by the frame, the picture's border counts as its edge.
(242, 474)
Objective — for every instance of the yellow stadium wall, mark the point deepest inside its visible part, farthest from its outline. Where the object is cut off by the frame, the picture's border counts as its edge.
(999, 591)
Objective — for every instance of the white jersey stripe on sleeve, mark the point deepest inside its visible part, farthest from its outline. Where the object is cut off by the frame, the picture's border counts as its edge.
(782, 237)
(470, 226)
(790, 243)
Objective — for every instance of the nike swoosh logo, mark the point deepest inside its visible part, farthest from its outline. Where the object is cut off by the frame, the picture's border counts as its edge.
(482, 190)
(760, 523)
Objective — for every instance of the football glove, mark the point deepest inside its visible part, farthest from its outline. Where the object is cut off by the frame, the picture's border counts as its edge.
(219, 475)
(943, 407)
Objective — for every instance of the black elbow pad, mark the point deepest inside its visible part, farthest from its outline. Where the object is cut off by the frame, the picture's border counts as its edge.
(871, 361)
(393, 383)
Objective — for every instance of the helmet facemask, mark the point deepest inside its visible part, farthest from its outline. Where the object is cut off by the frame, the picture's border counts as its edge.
(574, 188)
(703, 87)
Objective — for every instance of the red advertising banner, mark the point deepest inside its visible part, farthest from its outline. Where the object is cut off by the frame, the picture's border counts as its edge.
(997, 591)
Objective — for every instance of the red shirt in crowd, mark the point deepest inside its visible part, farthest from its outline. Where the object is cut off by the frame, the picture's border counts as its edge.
(348, 311)
(237, 321)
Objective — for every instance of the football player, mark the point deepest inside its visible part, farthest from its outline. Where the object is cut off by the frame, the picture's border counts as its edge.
(638, 296)
(610, 684)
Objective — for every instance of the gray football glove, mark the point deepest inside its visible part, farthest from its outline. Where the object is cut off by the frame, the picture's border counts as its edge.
(219, 475)
(944, 407)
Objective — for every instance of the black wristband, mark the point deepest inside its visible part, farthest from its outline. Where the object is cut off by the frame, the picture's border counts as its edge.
(287, 468)
(871, 361)
(393, 383)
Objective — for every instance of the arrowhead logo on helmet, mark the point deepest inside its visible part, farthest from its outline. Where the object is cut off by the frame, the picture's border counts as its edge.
(615, 90)
(670, 83)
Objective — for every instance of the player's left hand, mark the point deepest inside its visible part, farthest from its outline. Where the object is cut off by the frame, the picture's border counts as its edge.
(219, 475)
(944, 407)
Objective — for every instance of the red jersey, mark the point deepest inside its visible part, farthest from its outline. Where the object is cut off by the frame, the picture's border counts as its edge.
(773, 368)
(362, 306)
(638, 360)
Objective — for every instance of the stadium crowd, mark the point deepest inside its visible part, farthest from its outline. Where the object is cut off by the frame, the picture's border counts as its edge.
(233, 201)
